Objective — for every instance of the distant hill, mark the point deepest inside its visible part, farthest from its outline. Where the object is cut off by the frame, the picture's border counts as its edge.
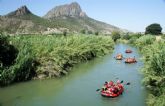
(68, 17)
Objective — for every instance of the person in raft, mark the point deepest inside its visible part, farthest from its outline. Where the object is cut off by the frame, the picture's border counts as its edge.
(110, 84)
(119, 86)
(105, 86)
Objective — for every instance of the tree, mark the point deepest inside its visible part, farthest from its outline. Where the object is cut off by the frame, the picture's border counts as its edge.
(154, 29)
(115, 35)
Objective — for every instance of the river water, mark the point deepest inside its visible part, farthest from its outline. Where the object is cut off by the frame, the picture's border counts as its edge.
(79, 87)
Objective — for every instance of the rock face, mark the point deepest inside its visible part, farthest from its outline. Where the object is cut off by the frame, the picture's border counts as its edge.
(20, 12)
(71, 10)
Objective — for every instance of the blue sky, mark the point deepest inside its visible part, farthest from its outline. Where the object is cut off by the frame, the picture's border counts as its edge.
(133, 15)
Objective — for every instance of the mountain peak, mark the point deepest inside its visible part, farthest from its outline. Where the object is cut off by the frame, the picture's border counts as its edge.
(75, 3)
(23, 10)
(71, 10)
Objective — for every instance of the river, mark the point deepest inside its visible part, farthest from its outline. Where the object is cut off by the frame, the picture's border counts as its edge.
(79, 87)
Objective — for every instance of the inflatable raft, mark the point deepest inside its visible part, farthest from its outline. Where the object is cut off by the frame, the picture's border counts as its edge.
(119, 57)
(113, 91)
(128, 51)
(130, 60)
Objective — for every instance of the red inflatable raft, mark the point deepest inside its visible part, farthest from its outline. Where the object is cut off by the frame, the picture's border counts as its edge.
(113, 91)
(128, 51)
(119, 57)
(130, 60)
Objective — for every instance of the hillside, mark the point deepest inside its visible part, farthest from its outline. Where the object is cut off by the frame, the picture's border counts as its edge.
(69, 17)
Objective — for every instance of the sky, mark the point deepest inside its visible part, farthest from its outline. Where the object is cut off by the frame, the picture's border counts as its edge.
(133, 15)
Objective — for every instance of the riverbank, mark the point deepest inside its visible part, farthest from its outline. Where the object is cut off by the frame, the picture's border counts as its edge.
(51, 56)
(153, 51)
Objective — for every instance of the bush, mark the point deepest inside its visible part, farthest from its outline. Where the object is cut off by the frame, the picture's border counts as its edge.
(126, 36)
(132, 40)
(90, 32)
(64, 33)
(96, 33)
(115, 35)
(144, 41)
(154, 71)
(163, 36)
(21, 70)
(8, 53)
(16, 63)
(83, 31)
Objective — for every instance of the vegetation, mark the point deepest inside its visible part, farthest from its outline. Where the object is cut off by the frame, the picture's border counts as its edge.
(8, 52)
(90, 32)
(163, 36)
(126, 36)
(51, 56)
(144, 41)
(154, 29)
(83, 31)
(154, 68)
(64, 32)
(96, 33)
(18, 65)
(129, 37)
(115, 35)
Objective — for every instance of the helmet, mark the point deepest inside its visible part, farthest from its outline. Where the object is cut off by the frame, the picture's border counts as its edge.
(111, 83)
(118, 81)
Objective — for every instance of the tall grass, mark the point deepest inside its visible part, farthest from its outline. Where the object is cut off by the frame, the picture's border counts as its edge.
(154, 69)
(53, 56)
(144, 41)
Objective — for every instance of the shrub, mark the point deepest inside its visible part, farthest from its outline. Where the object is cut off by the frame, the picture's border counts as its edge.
(154, 72)
(163, 36)
(90, 32)
(8, 52)
(132, 40)
(65, 33)
(126, 36)
(21, 60)
(96, 33)
(83, 31)
(144, 41)
(115, 35)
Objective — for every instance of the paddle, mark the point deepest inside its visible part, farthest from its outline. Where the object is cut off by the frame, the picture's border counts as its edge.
(128, 83)
(98, 90)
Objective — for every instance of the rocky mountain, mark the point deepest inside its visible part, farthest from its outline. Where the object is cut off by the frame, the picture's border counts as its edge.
(21, 21)
(19, 12)
(70, 10)
(69, 17)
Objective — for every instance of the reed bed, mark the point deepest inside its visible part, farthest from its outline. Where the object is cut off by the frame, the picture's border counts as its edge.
(52, 56)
